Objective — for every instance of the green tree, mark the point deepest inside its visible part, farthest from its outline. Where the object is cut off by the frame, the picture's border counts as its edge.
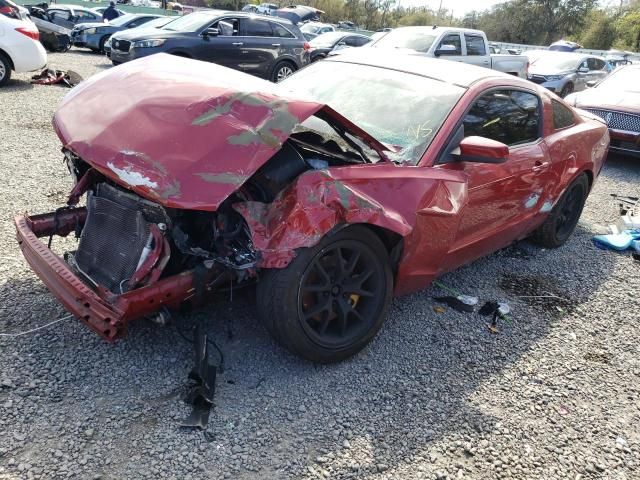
(600, 31)
(628, 30)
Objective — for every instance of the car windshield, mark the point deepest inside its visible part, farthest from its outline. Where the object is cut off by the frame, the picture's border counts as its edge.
(415, 39)
(326, 39)
(122, 20)
(310, 28)
(190, 23)
(407, 112)
(157, 22)
(557, 63)
(625, 79)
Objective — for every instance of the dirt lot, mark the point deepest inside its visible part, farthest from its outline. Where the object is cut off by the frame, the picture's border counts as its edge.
(554, 394)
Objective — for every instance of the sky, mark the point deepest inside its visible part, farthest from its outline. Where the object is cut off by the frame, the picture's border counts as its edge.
(459, 7)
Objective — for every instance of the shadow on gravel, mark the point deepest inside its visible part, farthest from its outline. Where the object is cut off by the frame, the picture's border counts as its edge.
(410, 388)
(17, 86)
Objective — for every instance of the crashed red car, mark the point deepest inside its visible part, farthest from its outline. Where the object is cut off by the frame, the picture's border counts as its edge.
(358, 178)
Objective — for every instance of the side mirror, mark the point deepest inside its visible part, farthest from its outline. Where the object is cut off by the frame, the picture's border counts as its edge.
(211, 32)
(445, 50)
(482, 150)
(591, 83)
(583, 70)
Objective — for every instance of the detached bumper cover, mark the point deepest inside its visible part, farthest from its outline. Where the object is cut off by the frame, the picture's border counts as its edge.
(102, 311)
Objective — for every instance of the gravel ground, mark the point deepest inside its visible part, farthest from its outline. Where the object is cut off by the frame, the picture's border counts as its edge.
(554, 394)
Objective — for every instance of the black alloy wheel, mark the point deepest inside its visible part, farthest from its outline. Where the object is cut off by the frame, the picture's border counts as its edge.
(332, 299)
(564, 216)
(339, 294)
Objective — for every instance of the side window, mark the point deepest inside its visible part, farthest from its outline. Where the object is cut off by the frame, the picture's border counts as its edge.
(508, 116)
(280, 31)
(562, 116)
(475, 45)
(584, 64)
(227, 27)
(85, 16)
(453, 39)
(362, 41)
(591, 63)
(351, 41)
(257, 28)
(600, 64)
(59, 14)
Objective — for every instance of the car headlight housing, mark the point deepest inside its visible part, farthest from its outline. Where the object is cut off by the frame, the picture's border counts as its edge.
(148, 43)
(553, 78)
(89, 31)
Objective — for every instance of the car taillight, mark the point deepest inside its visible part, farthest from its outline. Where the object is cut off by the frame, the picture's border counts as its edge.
(306, 46)
(29, 32)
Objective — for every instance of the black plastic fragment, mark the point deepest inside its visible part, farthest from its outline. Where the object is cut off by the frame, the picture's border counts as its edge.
(454, 303)
(204, 375)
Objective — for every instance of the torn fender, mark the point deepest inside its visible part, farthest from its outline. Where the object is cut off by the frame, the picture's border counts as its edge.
(183, 133)
(385, 195)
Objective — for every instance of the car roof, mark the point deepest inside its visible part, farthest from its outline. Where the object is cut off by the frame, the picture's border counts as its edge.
(456, 73)
(240, 14)
(53, 6)
(437, 29)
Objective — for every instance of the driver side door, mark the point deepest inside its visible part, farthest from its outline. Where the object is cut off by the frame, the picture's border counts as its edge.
(224, 48)
(502, 198)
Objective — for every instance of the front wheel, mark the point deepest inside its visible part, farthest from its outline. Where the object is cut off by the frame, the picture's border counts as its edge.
(332, 299)
(5, 69)
(566, 90)
(562, 220)
(282, 71)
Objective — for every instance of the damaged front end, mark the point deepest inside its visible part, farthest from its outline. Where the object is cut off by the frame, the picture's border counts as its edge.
(134, 256)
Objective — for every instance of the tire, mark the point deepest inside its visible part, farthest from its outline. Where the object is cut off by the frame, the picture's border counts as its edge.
(562, 220)
(566, 90)
(290, 300)
(103, 40)
(282, 70)
(5, 69)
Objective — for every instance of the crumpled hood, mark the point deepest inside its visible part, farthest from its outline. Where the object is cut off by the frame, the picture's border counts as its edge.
(607, 98)
(180, 132)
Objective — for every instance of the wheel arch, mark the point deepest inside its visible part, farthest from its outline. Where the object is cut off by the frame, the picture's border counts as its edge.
(3, 52)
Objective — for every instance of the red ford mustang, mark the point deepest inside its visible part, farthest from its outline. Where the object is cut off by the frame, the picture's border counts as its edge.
(358, 178)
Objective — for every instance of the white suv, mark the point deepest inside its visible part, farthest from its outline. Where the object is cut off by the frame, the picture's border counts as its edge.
(20, 49)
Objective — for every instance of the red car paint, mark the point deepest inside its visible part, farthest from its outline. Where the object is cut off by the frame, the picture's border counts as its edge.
(166, 135)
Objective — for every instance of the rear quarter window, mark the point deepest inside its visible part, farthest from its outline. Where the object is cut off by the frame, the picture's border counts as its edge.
(562, 116)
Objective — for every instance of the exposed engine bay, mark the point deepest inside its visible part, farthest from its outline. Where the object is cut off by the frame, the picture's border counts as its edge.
(129, 242)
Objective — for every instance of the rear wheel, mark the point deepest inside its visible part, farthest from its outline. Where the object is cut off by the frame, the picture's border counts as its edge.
(5, 69)
(282, 71)
(562, 220)
(332, 299)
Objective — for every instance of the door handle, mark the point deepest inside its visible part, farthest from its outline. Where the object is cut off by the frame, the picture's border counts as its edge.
(538, 165)
(275, 44)
(486, 62)
(237, 44)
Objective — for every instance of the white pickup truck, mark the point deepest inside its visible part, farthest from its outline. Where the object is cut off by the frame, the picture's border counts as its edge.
(457, 44)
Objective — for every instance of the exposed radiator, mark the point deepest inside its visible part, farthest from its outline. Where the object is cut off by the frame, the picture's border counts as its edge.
(113, 237)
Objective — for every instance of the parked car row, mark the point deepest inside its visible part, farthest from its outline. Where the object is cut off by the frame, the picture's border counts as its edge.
(268, 47)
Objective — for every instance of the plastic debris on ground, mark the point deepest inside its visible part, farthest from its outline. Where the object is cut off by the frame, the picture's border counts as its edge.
(50, 76)
(625, 240)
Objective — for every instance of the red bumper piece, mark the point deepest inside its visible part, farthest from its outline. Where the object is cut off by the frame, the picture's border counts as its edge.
(104, 312)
